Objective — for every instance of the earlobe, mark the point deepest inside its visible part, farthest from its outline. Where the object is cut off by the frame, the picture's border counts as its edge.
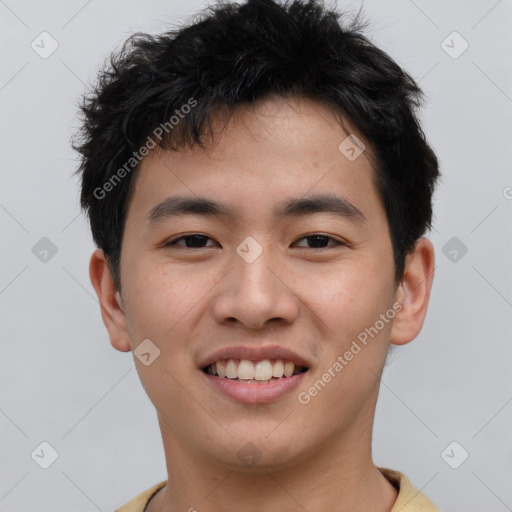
(413, 293)
(111, 303)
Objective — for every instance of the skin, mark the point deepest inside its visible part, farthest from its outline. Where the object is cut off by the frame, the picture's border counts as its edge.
(191, 302)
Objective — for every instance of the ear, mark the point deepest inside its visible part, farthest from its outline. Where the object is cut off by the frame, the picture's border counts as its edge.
(111, 303)
(413, 293)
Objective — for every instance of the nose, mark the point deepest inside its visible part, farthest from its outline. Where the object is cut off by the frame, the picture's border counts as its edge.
(256, 292)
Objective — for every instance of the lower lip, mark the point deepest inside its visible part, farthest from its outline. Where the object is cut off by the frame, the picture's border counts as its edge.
(255, 392)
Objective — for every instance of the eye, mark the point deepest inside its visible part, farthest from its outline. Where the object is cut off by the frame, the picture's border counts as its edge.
(191, 241)
(319, 240)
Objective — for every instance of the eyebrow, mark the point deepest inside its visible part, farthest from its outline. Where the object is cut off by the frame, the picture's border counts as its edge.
(325, 203)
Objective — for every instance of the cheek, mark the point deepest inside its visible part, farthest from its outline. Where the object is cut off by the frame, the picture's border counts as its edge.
(349, 300)
(156, 301)
(351, 308)
(159, 305)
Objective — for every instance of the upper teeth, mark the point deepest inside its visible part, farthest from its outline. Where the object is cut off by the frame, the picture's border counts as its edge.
(248, 370)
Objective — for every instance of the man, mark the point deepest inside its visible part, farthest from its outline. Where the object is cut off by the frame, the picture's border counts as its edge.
(259, 186)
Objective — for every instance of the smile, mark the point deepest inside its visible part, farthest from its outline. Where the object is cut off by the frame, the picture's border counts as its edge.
(254, 382)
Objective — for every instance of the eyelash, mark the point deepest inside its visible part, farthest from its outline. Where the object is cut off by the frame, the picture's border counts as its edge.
(183, 237)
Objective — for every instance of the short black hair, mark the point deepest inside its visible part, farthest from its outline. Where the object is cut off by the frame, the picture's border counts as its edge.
(168, 89)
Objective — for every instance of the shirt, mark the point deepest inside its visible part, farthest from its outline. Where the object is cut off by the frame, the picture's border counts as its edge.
(409, 498)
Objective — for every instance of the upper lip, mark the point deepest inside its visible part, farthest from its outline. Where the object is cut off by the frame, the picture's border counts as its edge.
(252, 353)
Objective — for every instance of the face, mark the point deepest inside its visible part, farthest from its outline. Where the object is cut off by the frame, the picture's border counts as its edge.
(254, 281)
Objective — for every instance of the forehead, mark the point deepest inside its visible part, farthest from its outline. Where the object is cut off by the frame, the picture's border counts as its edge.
(260, 155)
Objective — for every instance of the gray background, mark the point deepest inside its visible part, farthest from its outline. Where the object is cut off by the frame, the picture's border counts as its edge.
(63, 383)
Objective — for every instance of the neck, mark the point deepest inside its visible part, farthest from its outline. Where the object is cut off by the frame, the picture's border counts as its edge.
(339, 476)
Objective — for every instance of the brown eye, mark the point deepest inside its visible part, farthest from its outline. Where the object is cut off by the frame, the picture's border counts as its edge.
(320, 241)
(191, 241)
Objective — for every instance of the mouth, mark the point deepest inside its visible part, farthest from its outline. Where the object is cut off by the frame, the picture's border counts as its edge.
(255, 372)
